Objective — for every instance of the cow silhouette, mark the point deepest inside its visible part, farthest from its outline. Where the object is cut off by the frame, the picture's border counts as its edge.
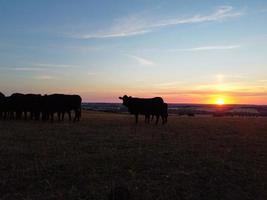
(2, 100)
(15, 105)
(61, 104)
(36, 106)
(146, 106)
(163, 113)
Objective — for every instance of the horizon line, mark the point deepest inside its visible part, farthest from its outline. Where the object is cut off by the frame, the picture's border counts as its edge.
(239, 104)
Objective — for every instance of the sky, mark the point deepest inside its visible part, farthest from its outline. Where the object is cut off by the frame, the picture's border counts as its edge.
(188, 51)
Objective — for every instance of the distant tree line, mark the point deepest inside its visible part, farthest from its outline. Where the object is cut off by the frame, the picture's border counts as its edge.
(39, 107)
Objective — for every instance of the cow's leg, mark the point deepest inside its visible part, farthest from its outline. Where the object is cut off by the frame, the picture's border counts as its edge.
(11, 115)
(157, 119)
(146, 119)
(163, 119)
(76, 116)
(58, 116)
(52, 116)
(44, 116)
(5, 115)
(136, 118)
(69, 113)
(32, 115)
(18, 115)
(80, 114)
(37, 115)
(63, 115)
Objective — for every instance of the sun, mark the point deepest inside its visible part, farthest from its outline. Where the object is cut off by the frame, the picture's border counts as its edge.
(220, 102)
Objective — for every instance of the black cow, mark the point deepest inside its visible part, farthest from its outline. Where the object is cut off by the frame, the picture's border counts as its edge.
(2, 100)
(32, 105)
(152, 106)
(163, 113)
(15, 105)
(61, 104)
(72, 102)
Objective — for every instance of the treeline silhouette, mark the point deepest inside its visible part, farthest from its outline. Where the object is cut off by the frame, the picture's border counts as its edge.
(39, 107)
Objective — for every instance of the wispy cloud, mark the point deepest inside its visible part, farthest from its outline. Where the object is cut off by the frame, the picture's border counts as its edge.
(142, 61)
(91, 73)
(37, 67)
(45, 77)
(124, 33)
(221, 13)
(137, 25)
(27, 69)
(209, 48)
(49, 65)
(248, 93)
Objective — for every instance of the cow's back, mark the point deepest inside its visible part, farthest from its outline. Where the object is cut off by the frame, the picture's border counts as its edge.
(145, 105)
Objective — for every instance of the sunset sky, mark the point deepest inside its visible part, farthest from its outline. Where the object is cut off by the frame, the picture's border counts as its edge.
(185, 51)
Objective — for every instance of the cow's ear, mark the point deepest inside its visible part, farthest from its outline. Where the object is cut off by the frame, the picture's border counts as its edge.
(120, 98)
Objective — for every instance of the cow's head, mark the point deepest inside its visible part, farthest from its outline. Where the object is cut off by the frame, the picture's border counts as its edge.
(125, 100)
(2, 95)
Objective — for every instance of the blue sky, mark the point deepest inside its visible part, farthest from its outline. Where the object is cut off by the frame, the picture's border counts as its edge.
(185, 51)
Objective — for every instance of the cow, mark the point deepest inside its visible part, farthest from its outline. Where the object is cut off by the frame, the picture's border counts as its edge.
(32, 105)
(2, 100)
(163, 114)
(145, 106)
(72, 102)
(61, 104)
(15, 105)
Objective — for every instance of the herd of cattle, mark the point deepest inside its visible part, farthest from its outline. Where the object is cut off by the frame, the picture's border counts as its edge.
(36, 106)
(43, 107)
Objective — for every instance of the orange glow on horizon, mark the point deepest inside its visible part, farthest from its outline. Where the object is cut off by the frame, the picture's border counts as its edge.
(221, 100)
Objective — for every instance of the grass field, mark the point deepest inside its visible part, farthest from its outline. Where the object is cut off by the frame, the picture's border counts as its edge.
(189, 158)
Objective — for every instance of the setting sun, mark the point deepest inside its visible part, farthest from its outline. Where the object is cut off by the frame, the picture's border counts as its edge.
(220, 102)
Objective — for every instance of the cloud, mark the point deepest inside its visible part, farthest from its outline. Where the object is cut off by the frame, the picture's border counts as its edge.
(91, 73)
(45, 77)
(263, 81)
(137, 25)
(221, 13)
(167, 84)
(211, 93)
(125, 33)
(37, 67)
(142, 61)
(49, 65)
(27, 69)
(209, 48)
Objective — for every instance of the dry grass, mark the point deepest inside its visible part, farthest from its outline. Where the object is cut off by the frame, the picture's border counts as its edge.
(189, 158)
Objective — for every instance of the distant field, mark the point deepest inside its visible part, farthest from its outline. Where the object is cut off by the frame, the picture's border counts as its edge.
(189, 158)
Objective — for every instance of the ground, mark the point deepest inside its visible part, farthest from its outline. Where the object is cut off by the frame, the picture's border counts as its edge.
(189, 158)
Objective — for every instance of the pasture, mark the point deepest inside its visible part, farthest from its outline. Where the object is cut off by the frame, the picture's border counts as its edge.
(188, 158)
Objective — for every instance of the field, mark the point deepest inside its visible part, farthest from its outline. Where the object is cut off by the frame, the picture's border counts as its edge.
(189, 158)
